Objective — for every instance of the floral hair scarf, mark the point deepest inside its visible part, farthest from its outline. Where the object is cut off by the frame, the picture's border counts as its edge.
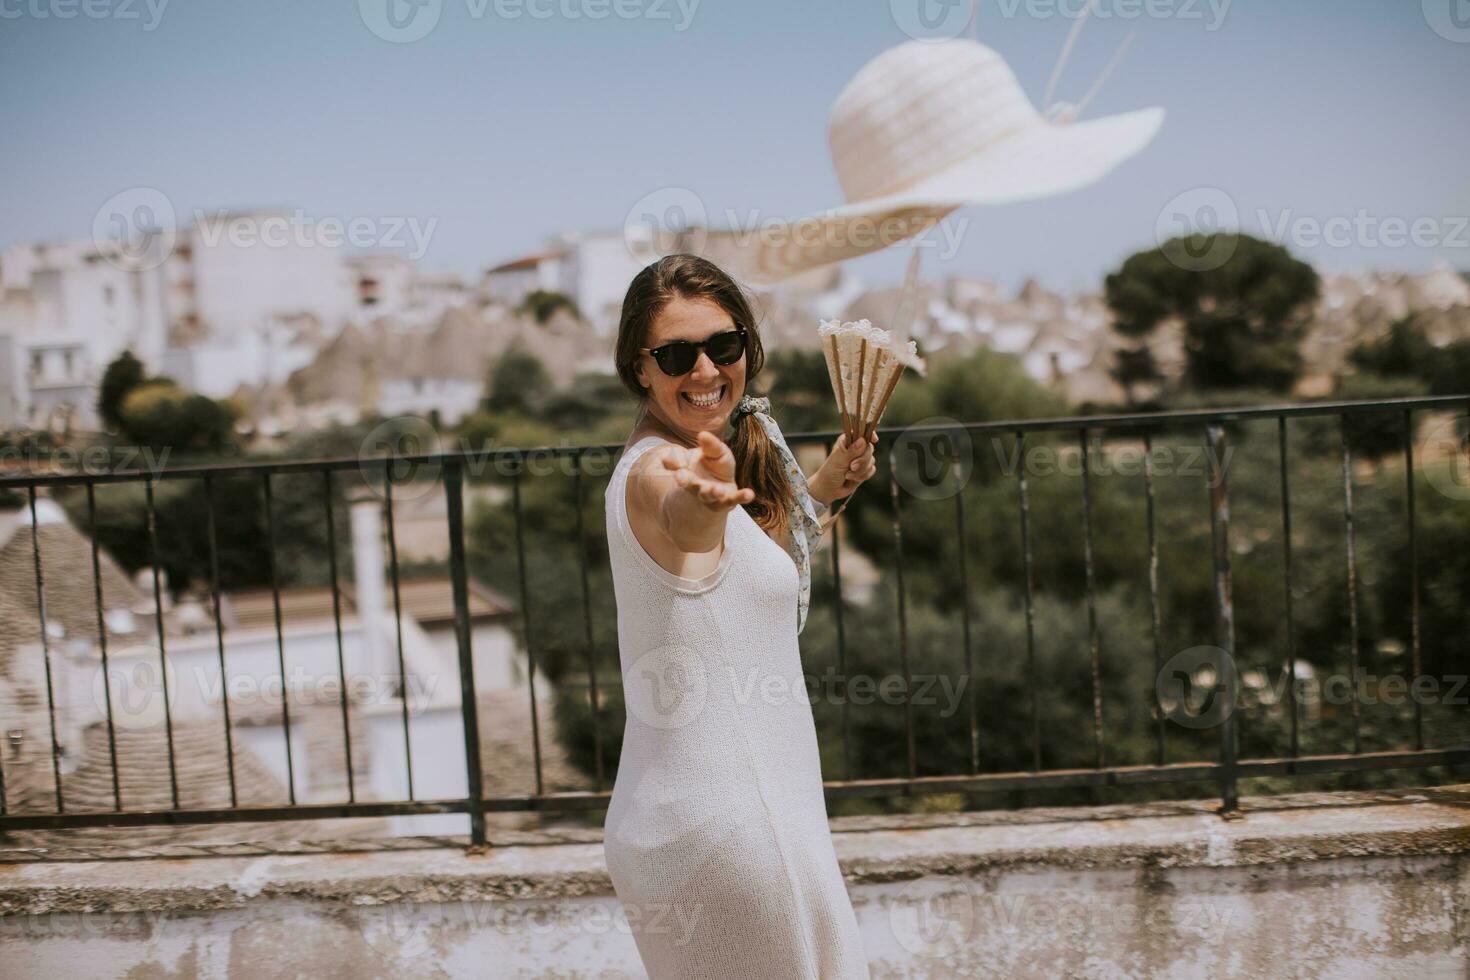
(802, 515)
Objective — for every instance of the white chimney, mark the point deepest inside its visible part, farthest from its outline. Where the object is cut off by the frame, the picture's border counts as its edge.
(378, 658)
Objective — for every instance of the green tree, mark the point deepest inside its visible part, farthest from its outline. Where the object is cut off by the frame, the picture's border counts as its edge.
(800, 390)
(1370, 435)
(1243, 318)
(1406, 352)
(1132, 367)
(1402, 352)
(518, 383)
(123, 375)
(586, 402)
(1450, 372)
(246, 550)
(542, 304)
(160, 414)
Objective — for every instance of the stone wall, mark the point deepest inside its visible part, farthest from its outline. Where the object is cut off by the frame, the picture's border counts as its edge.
(1313, 885)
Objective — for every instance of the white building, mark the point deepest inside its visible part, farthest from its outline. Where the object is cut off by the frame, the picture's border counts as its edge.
(223, 307)
(65, 312)
(593, 268)
(386, 284)
(382, 281)
(509, 282)
(230, 286)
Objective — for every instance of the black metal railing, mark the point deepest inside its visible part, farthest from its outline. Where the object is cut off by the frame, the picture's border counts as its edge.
(1210, 426)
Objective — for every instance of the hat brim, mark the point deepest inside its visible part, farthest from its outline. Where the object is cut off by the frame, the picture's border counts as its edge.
(1043, 160)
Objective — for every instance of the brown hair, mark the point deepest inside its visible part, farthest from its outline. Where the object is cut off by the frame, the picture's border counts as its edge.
(758, 465)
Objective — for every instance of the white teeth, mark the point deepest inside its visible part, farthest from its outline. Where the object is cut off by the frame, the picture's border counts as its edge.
(705, 399)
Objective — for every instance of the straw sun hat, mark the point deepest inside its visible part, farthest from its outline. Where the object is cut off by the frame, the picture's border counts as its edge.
(927, 127)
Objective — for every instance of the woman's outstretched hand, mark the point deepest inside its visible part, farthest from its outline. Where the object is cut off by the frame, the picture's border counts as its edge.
(847, 467)
(707, 473)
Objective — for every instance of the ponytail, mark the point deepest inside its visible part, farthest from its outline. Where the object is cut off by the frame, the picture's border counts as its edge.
(759, 466)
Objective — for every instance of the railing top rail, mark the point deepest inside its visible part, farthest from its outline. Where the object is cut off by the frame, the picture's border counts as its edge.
(1201, 415)
(474, 457)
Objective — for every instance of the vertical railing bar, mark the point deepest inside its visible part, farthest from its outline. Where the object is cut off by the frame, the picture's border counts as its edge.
(1026, 564)
(1155, 614)
(587, 620)
(1416, 666)
(168, 718)
(1290, 575)
(903, 625)
(337, 624)
(403, 691)
(46, 653)
(92, 532)
(841, 649)
(219, 634)
(1094, 640)
(959, 513)
(270, 551)
(1352, 576)
(469, 708)
(515, 487)
(1224, 616)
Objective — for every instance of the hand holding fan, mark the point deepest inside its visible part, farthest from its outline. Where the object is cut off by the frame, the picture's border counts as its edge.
(864, 363)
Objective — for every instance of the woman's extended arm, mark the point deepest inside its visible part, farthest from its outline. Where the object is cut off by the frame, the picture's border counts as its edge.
(688, 492)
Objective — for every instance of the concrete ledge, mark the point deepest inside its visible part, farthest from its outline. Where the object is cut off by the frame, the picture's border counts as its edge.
(1275, 830)
(1306, 827)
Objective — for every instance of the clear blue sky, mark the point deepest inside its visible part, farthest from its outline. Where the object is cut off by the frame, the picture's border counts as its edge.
(505, 131)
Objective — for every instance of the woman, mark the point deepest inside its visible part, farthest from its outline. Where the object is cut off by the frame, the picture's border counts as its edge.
(716, 836)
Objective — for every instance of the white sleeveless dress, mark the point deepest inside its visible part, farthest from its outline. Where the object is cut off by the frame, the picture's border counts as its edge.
(716, 837)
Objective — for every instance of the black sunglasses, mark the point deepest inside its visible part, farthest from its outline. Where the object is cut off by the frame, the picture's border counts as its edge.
(679, 356)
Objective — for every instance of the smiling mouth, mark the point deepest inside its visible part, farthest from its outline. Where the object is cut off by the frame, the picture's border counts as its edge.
(704, 399)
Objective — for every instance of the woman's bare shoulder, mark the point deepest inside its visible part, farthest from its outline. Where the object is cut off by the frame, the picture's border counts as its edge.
(648, 478)
(653, 456)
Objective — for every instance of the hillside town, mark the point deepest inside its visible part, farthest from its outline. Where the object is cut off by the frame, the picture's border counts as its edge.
(301, 335)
